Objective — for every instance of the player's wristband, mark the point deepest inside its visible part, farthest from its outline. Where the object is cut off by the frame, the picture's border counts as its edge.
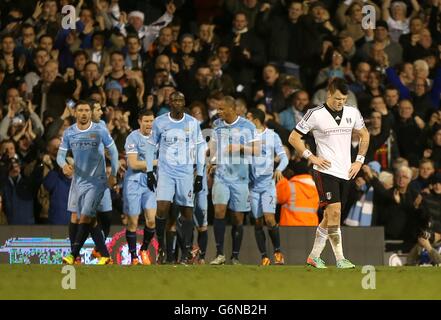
(306, 154)
(359, 158)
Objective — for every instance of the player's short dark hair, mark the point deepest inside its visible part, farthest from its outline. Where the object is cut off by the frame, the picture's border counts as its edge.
(145, 113)
(257, 114)
(338, 84)
(89, 103)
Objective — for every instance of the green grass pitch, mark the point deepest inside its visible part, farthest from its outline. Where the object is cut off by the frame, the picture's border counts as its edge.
(217, 282)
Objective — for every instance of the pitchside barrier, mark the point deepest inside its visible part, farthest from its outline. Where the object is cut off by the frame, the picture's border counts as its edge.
(47, 244)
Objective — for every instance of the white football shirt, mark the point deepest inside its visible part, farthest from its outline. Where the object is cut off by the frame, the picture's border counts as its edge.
(332, 133)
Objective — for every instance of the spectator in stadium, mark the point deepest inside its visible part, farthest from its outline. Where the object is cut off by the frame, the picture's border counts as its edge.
(434, 150)
(395, 208)
(57, 184)
(247, 53)
(391, 97)
(421, 99)
(429, 236)
(221, 81)
(199, 111)
(409, 129)
(40, 58)
(412, 38)
(334, 67)
(13, 63)
(21, 119)
(51, 92)
(270, 92)
(294, 113)
(146, 33)
(283, 34)
(392, 49)
(18, 192)
(98, 53)
(396, 16)
(361, 77)
(425, 171)
(349, 17)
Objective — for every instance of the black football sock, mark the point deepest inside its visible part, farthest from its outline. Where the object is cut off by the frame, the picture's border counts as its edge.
(131, 242)
(171, 244)
(105, 220)
(202, 243)
(73, 228)
(237, 234)
(261, 240)
(275, 237)
(80, 238)
(98, 238)
(148, 235)
(160, 230)
(219, 235)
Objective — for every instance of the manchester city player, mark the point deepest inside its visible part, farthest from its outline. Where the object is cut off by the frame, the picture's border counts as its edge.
(84, 139)
(137, 196)
(263, 189)
(180, 143)
(232, 143)
(104, 210)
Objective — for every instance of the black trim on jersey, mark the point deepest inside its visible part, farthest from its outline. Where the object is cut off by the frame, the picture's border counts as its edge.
(334, 114)
(310, 111)
(299, 132)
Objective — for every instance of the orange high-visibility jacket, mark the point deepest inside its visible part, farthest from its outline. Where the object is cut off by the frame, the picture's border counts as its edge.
(299, 199)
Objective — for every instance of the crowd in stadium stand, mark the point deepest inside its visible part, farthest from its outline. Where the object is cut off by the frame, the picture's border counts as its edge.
(275, 55)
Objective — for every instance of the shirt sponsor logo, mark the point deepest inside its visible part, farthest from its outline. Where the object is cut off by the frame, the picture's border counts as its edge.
(336, 131)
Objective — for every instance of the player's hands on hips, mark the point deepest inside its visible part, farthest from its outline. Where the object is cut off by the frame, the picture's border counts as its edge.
(277, 175)
(68, 170)
(320, 162)
(111, 181)
(355, 167)
(197, 184)
(151, 181)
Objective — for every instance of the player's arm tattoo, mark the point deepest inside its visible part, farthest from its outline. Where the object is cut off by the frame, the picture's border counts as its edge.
(364, 141)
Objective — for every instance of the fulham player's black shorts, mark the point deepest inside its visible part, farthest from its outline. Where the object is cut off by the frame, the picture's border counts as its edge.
(330, 188)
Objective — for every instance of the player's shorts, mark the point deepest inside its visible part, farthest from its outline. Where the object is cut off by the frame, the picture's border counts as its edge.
(104, 206)
(201, 206)
(137, 198)
(330, 188)
(263, 201)
(90, 194)
(236, 196)
(175, 190)
(106, 202)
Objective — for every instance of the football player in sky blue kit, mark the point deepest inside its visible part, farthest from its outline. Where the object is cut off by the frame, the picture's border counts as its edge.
(180, 142)
(263, 188)
(137, 196)
(232, 141)
(104, 210)
(84, 139)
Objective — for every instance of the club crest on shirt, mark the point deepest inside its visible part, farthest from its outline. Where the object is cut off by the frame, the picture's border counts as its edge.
(348, 120)
(93, 136)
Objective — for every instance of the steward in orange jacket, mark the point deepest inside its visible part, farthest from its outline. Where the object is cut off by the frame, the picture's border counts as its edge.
(299, 199)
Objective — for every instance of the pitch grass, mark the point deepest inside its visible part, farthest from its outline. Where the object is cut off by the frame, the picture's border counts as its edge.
(217, 282)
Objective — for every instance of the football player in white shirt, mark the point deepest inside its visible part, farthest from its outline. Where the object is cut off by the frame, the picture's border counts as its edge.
(332, 126)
